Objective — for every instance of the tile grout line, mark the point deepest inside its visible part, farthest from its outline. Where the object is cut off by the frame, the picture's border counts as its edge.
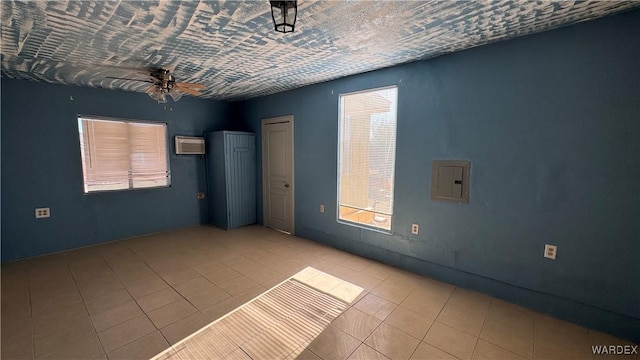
(134, 300)
(377, 327)
(434, 321)
(174, 289)
(498, 345)
(331, 324)
(440, 312)
(90, 316)
(484, 320)
(147, 315)
(383, 320)
(84, 303)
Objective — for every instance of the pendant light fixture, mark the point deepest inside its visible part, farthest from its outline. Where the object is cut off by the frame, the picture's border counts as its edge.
(284, 15)
(155, 92)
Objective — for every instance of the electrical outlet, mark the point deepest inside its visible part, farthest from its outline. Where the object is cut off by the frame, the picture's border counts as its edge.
(550, 251)
(321, 208)
(415, 229)
(42, 213)
(200, 196)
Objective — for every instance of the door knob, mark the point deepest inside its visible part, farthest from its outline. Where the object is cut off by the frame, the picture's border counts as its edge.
(286, 185)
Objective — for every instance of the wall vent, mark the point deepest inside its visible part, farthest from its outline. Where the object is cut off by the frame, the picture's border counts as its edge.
(188, 145)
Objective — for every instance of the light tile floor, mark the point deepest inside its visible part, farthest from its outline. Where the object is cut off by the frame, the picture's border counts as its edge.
(131, 299)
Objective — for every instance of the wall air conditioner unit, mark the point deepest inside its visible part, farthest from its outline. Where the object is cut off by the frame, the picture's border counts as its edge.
(189, 145)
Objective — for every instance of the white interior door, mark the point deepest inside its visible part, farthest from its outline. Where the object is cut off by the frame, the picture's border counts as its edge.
(277, 173)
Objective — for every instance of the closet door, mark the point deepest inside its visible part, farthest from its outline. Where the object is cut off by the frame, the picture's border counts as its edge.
(241, 179)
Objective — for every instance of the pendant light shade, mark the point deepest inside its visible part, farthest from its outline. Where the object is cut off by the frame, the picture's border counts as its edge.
(156, 93)
(284, 15)
(175, 94)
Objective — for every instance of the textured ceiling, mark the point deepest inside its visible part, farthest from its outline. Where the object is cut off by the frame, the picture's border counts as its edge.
(231, 47)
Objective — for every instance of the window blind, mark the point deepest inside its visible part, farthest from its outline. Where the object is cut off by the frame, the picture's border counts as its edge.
(119, 155)
(367, 157)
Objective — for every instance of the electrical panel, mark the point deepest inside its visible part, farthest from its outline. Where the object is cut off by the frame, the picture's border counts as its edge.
(450, 180)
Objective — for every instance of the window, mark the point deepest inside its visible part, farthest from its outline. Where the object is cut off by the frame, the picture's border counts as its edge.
(121, 155)
(366, 157)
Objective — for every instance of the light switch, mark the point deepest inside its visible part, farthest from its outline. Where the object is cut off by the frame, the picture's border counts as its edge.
(450, 180)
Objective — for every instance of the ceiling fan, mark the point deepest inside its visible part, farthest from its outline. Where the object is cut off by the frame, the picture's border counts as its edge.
(164, 83)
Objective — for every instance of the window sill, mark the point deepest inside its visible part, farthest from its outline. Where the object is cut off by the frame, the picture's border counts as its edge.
(365, 227)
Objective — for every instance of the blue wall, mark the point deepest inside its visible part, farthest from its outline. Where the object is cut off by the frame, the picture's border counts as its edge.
(549, 122)
(551, 125)
(41, 168)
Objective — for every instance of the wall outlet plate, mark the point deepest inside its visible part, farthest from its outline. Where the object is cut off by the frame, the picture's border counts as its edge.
(42, 213)
(550, 251)
(200, 196)
(321, 208)
(415, 229)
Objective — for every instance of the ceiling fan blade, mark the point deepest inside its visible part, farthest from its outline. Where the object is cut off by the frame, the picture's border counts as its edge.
(188, 90)
(119, 78)
(191, 85)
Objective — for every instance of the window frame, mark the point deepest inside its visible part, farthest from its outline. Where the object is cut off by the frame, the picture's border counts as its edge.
(393, 172)
(79, 119)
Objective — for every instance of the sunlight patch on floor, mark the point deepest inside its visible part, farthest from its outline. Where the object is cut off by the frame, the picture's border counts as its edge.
(278, 324)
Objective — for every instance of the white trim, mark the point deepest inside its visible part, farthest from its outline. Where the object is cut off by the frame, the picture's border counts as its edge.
(340, 108)
(275, 120)
(364, 227)
(369, 90)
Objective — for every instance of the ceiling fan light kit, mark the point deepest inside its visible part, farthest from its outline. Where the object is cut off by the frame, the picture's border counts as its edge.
(175, 94)
(165, 84)
(156, 93)
(284, 15)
